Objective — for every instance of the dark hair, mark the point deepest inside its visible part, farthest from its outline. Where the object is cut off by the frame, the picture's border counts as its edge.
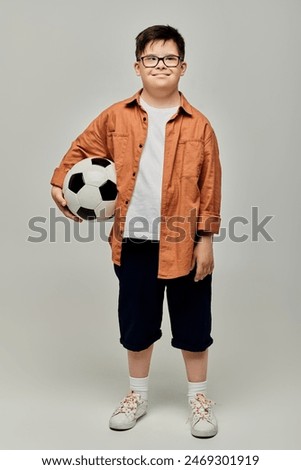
(159, 33)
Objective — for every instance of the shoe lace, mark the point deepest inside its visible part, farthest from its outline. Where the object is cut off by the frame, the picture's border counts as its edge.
(201, 407)
(129, 404)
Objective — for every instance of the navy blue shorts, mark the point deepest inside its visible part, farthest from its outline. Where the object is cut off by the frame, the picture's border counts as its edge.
(140, 304)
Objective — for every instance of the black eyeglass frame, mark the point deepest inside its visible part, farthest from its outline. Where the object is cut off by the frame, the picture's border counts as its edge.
(180, 59)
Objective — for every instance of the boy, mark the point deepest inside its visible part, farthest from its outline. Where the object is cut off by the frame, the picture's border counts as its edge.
(168, 208)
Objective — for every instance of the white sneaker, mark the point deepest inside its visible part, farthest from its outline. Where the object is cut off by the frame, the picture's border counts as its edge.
(129, 410)
(202, 420)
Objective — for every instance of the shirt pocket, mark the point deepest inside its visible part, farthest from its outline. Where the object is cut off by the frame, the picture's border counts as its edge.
(117, 144)
(191, 154)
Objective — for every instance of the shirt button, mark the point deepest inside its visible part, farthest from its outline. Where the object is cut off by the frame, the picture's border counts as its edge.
(126, 202)
(134, 174)
(140, 145)
(144, 119)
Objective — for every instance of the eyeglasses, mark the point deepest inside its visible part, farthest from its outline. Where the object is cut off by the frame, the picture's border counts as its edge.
(150, 61)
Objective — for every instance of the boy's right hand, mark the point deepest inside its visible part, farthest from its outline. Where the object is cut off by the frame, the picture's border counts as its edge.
(57, 196)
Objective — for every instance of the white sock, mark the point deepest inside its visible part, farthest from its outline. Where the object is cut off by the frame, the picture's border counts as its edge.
(196, 387)
(140, 385)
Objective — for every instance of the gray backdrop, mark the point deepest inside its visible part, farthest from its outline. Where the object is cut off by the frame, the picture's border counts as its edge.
(62, 368)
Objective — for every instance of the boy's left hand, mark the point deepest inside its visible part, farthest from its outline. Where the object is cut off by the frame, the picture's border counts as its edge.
(203, 258)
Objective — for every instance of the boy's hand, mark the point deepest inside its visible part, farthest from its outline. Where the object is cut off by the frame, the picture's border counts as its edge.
(203, 258)
(57, 196)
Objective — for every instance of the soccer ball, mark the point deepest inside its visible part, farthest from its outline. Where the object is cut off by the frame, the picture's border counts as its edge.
(90, 188)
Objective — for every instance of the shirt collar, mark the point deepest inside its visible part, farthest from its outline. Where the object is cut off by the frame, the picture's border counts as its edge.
(185, 106)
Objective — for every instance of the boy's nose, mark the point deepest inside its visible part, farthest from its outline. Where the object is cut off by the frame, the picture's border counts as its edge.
(161, 65)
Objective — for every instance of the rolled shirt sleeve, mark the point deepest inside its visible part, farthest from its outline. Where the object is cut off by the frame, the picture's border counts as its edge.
(210, 185)
(90, 143)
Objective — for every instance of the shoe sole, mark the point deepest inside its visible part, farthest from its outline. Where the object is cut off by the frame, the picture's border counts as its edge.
(126, 427)
(203, 435)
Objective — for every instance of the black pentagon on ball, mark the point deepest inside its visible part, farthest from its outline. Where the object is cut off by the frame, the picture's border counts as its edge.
(87, 214)
(101, 162)
(108, 191)
(76, 182)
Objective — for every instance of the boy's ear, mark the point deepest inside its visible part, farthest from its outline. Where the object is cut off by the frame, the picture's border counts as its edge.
(137, 68)
(183, 68)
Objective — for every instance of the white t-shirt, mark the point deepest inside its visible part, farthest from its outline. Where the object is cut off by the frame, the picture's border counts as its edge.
(143, 216)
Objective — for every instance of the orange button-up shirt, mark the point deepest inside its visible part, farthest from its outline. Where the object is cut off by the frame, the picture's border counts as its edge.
(191, 186)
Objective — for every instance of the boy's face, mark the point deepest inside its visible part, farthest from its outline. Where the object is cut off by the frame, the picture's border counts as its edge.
(161, 77)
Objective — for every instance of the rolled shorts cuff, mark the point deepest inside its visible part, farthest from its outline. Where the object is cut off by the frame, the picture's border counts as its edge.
(140, 347)
(191, 348)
